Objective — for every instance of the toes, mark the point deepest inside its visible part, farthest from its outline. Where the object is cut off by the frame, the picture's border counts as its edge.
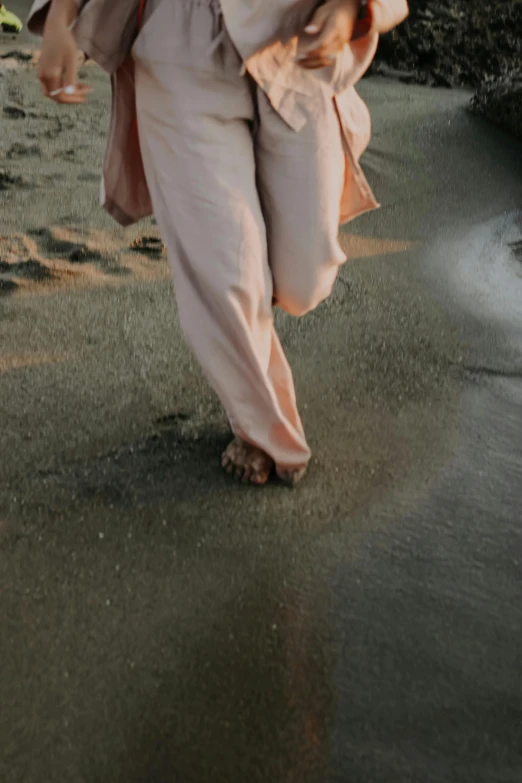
(259, 479)
(260, 474)
(233, 459)
(248, 464)
(227, 463)
(261, 470)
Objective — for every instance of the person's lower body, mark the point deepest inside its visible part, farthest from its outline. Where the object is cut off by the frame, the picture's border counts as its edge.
(249, 212)
(9, 22)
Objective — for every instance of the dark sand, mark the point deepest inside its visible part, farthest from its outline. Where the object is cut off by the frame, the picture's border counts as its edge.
(160, 623)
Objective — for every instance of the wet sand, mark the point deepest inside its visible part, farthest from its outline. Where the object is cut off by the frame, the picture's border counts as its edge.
(161, 623)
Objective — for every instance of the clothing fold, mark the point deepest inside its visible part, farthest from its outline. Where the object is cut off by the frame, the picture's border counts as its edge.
(248, 209)
(249, 164)
(106, 31)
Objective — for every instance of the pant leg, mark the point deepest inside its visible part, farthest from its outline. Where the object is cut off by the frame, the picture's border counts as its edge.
(195, 114)
(301, 182)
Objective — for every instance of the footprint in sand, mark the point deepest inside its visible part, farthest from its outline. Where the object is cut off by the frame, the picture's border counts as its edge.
(58, 124)
(16, 95)
(20, 150)
(516, 247)
(9, 181)
(63, 244)
(14, 112)
(28, 261)
(7, 287)
(50, 133)
(149, 245)
(71, 155)
(30, 269)
(172, 420)
(66, 256)
(19, 264)
(20, 55)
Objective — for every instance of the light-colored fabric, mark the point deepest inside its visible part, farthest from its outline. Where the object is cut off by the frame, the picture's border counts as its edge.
(249, 211)
(105, 30)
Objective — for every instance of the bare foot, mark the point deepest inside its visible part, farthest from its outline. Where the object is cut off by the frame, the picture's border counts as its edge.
(247, 462)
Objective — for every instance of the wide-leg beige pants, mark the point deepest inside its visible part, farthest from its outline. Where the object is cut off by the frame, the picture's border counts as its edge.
(248, 209)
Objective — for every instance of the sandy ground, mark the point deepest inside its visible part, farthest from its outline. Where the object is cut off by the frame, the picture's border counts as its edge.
(160, 623)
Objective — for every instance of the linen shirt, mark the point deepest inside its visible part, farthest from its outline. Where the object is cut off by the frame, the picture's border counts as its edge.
(106, 31)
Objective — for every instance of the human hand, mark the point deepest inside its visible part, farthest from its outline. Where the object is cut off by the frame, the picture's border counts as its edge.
(58, 69)
(329, 30)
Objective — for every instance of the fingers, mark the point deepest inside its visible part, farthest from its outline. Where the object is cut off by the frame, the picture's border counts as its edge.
(327, 38)
(58, 76)
(329, 30)
(319, 22)
(50, 79)
(319, 50)
(72, 94)
(66, 92)
(70, 69)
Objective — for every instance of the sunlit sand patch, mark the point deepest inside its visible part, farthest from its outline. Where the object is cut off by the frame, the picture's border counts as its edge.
(357, 246)
(51, 258)
(62, 257)
(13, 59)
(9, 64)
(17, 361)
